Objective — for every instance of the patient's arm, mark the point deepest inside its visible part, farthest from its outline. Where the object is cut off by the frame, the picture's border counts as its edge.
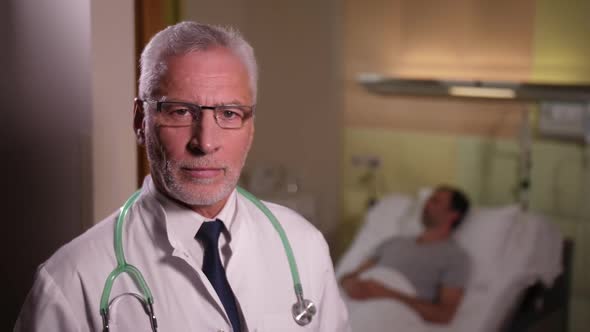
(350, 281)
(441, 312)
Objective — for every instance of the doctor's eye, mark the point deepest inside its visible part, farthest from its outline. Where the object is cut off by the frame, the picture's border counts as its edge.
(177, 111)
(181, 112)
(229, 113)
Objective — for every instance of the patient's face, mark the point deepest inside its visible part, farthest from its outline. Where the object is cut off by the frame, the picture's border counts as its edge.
(437, 209)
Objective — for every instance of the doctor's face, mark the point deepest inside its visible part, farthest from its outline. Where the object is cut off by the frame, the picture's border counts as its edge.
(200, 164)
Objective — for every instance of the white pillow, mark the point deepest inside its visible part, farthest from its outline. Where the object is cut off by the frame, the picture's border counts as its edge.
(410, 223)
(379, 223)
(394, 214)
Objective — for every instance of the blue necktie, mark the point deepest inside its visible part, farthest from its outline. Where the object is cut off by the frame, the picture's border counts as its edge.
(208, 234)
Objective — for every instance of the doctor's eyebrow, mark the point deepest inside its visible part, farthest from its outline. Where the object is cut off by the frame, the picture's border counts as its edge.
(234, 102)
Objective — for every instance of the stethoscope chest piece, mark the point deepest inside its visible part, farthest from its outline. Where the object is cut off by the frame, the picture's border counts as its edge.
(303, 311)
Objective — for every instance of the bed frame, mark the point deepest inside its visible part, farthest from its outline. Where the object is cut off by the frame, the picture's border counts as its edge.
(543, 309)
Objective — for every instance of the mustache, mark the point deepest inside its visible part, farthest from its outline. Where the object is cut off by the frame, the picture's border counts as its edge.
(197, 163)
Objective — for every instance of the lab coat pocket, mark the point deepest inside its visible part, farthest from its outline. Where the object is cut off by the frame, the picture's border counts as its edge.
(279, 322)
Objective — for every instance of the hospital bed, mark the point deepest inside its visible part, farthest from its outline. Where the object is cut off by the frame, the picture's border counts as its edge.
(518, 281)
(542, 308)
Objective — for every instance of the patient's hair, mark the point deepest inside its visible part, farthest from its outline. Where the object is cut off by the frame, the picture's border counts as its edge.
(459, 203)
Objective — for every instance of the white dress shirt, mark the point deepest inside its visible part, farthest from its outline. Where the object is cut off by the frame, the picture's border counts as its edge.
(159, 240)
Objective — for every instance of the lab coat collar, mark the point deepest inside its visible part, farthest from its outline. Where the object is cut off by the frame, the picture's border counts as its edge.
(181, 223)
(181, 226)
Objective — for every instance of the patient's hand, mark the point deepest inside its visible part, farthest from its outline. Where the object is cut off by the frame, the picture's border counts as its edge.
(364, 289)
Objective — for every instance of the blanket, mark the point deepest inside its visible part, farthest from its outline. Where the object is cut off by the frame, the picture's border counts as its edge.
(374, 315)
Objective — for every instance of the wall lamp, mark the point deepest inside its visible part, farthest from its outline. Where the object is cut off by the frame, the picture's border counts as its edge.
(385, 85)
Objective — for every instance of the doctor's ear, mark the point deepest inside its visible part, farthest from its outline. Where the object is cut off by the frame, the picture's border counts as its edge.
(138, 121)
(140, 135)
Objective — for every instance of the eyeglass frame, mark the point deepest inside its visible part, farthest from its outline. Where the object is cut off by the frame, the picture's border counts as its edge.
(249, 110)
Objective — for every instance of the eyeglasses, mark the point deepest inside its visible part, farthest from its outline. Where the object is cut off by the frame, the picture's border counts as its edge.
(177, 113)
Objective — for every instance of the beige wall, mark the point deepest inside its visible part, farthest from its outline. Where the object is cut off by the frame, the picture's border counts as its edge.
(114, 153)
(299, 114)
(447, 39)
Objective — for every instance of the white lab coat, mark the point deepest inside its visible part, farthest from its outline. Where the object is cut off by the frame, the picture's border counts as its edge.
(159, 240)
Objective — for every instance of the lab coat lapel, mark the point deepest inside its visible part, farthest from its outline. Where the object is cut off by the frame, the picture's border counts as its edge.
(182, 254)
(245, 266)
(213, 294)
(213, 297)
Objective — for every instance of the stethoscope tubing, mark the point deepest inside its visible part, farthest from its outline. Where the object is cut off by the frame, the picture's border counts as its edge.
(303, 310)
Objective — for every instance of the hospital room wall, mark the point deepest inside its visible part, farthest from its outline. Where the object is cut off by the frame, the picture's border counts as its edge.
(299, 111)
(562, 54)
(459, 40)
(470, 143)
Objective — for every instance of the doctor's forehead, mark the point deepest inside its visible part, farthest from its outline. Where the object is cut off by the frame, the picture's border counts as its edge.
(207, 70)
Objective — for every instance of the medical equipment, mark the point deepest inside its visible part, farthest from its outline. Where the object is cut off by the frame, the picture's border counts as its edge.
(303, 310)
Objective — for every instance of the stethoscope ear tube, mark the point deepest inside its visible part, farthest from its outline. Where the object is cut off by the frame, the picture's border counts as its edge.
(124, 267)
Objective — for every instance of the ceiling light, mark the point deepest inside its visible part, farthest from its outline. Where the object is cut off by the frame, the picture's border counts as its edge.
(481, 92)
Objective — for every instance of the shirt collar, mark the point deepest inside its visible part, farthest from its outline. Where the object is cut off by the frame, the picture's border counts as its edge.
(182, 223)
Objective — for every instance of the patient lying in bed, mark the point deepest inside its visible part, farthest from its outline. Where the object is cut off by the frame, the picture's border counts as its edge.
(433, 269)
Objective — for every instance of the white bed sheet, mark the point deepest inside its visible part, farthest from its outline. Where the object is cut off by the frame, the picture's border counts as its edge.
(510, 251)
(373, 315)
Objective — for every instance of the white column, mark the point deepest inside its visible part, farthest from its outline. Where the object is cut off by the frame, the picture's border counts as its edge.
(114, 153)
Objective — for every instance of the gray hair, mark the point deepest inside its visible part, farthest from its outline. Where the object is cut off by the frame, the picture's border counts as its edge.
(186, 37)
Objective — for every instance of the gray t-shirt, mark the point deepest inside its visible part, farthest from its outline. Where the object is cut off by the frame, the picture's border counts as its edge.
(427, 266)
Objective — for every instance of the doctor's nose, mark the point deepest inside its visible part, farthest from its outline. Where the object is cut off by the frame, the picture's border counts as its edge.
(206, 134)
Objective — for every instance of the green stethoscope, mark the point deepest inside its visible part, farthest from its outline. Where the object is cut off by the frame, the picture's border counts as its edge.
(303, 310)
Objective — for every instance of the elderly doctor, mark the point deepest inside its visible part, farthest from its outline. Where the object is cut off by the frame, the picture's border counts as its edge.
(209, 257)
